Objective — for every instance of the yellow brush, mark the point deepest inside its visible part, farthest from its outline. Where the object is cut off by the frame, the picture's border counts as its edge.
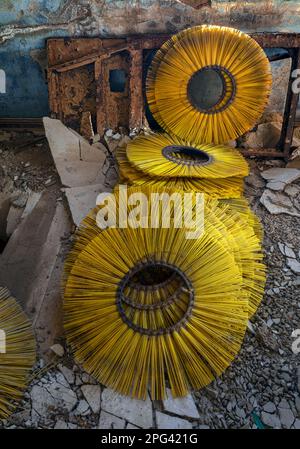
(209, 84)
(232, 219)
(166, 156)
(17, 352)
(218, 188)
(187, 342)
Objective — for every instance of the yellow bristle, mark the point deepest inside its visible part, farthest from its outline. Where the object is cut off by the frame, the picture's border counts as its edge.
(18, 354)
(247, 83)
(128, 360)
(232, 187)
(184, 159)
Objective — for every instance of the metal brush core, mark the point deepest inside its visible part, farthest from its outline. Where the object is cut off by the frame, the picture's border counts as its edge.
(184, 155)
(185, 287)
(211, 89)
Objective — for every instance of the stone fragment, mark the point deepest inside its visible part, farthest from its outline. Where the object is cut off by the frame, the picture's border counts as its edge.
(82, 408)
(78, 163)
(278, 203)
(13, 219)
(52, 394)
(108, 421)
(269, 407)
(131, 426)
(170, 422)
(278, 178)
(67, 373)
(82, 199)
(294, 265)
(58, 350)
(92, 394)
(286, 417)
(271, 420)
(136, 411)
(181, 406)
(32, 201)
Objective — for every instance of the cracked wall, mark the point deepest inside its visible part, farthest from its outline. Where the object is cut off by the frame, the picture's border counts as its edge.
(26, 24)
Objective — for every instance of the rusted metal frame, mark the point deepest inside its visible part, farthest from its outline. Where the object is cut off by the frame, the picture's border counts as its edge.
(76, 63)
(277, 40)
(136, 89)
(262, 153)
(54, 88)
(290, 108)
(100, 99)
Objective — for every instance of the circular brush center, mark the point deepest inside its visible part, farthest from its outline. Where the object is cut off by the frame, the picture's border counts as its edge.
(152, 277)
(211, 89)
(185, 288)
(184, 155)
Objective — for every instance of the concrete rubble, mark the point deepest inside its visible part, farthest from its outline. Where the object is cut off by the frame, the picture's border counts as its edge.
(82, 167)
(279, 178)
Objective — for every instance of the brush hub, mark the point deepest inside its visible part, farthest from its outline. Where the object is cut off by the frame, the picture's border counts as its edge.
(211, 89)
(185, 287)
(185, 155)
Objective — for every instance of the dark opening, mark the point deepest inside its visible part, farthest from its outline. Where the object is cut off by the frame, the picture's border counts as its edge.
(152, 275)
(130, 309)
(186, 155)
(206, 88)
(148, 56)
(117, 80)
(3, 244)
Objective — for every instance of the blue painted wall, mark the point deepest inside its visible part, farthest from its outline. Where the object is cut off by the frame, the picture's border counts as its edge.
(33, 21)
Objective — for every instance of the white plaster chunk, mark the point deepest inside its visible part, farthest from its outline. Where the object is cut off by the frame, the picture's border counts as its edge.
(136, 411)
(82, 199)
(279, 178)
(108, 421)
(294, 265)
(52, 394)
(78, 163)
(278, 203)
(181, 406)
(92, 394)
(170, 422)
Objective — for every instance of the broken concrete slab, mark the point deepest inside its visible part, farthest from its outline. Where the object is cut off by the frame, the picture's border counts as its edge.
(181, 406)
(278, 203)
(108, 421)
(136, 411)
(92, 394)
(13, 219)
(78, 163)
(82, 199)
(54, 393)
(279, 178)
(170, 422)
(32, 201)
(29, 260)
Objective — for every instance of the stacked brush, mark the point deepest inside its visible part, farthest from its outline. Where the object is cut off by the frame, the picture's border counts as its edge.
(147, 308)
